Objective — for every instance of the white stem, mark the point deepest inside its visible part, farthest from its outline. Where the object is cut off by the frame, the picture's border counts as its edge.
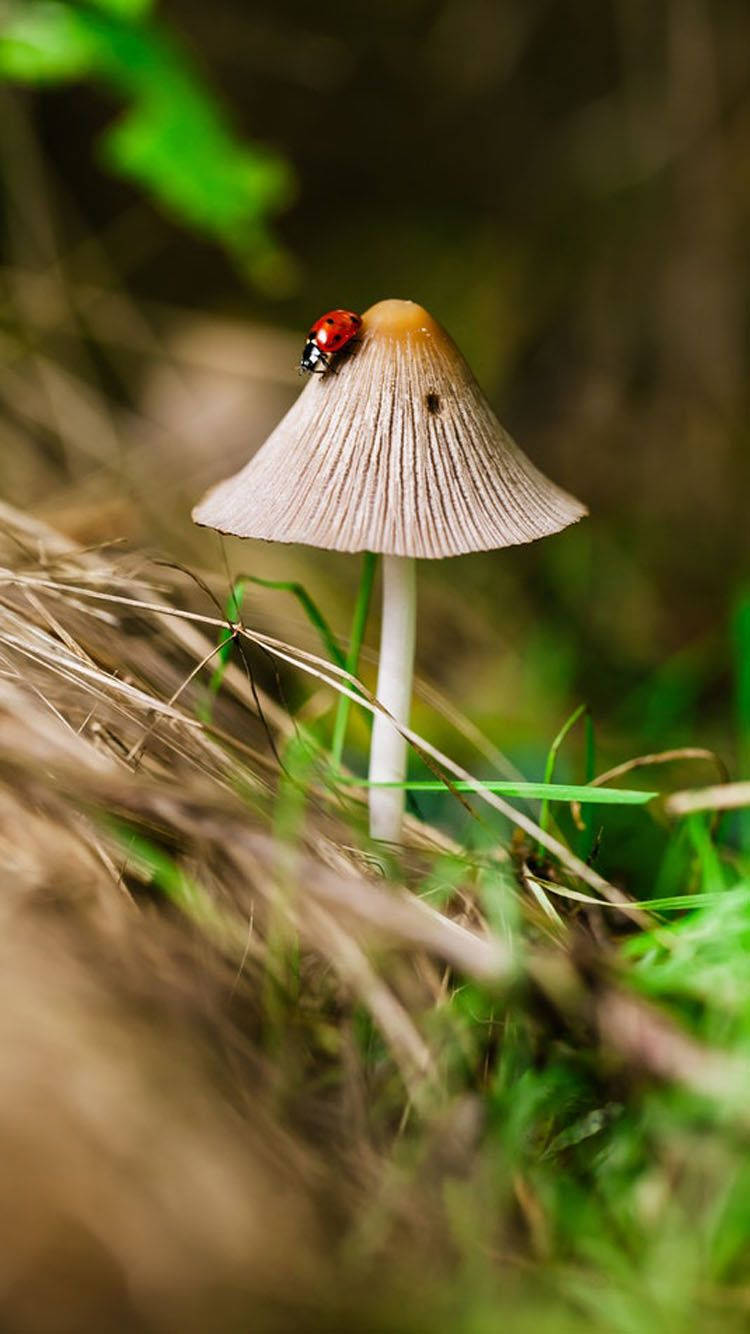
(395, 672)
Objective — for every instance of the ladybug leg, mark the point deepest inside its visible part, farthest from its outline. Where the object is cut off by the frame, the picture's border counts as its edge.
(344, 354)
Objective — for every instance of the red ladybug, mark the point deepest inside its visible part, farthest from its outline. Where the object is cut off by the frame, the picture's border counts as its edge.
(329, 335)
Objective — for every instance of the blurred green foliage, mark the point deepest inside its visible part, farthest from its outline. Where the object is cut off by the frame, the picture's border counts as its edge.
(174, 140)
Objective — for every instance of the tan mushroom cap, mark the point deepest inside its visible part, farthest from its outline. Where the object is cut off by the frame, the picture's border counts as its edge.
(395, 450)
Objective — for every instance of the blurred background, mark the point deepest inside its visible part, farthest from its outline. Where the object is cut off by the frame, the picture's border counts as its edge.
(566, 186)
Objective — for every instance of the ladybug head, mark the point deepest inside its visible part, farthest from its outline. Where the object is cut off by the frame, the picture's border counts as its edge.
(313, 357)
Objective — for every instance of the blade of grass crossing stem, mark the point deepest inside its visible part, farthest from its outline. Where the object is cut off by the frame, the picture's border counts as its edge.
(233, 612)
(359, 622)
(549, 768)
(741, 638)
(589, 796)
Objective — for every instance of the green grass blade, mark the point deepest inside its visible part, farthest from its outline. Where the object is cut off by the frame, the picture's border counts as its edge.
(668, 903)
(233, 612)
(359, 622)
(549, 767)
(590, 745)
(741, 639)
(169, 877)
(592, 796)
(310, 608)
(712, 871)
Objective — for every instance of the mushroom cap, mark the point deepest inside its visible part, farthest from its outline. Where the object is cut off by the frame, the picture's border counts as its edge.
(395, 449)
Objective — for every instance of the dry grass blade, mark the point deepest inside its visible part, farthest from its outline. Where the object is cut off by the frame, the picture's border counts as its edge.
(722, 797)
(647, 1039)
(411, 1053)
(338, 679)
(44, 544)
(91, 725)
(661, 757)
(191, 811)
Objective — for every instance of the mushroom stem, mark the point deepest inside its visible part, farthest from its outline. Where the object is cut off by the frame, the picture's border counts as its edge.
(395, 672)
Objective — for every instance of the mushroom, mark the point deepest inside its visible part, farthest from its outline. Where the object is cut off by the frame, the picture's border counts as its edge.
(393, 450)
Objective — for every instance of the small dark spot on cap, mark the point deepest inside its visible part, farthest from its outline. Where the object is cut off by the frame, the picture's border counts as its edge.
(329, 321)
(433, 402)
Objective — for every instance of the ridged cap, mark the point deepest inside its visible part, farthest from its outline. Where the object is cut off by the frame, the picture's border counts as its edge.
(394, 450)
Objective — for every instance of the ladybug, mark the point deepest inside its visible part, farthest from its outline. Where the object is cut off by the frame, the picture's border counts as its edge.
(329, 335)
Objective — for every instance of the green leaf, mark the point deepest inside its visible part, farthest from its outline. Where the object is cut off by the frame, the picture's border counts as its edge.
(126, 9)
(225, 189)
(46, 43)
(176, 141)
(173, 139)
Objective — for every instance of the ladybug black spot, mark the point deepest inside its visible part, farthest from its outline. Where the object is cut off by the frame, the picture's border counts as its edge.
(329, 321)
(433, 403)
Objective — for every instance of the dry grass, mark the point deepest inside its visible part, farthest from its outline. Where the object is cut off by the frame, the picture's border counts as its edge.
(220, 1012)
(185, 1120)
